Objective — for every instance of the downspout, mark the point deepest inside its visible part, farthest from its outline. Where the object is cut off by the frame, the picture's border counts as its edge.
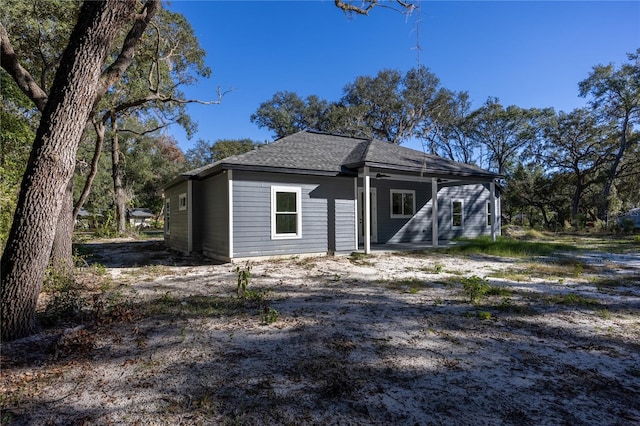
(434, 212)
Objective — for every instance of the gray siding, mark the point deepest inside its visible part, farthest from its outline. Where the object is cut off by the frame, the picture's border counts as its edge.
(328, 214)
(418, 228)
(213, 216)
(475, 198)
(396, 230)
(177, 237)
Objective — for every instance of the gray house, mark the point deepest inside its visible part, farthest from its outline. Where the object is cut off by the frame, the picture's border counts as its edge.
(308, 193)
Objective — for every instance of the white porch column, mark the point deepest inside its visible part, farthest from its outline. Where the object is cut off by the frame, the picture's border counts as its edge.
(492, 209)
(355, 195)
(230, 210)
(367, 211)
(190, 216)
(434, 211)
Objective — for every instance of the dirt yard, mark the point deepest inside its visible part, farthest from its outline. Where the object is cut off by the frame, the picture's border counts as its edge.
(404, 339)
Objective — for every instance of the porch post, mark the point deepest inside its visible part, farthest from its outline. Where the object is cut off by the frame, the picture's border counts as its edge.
(355, 197)
(367, 211)
(434, 211)
(492, 209)
(230, 211)
(190, 216)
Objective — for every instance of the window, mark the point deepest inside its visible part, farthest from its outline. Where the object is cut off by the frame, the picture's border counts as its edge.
(182, 201)
(286, 215)
(457, 213)
(403, 203)
(489, 213)
(167, 217)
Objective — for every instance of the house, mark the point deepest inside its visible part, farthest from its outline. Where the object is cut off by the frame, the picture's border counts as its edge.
(139, 217)
(630, 219)
(307, 193)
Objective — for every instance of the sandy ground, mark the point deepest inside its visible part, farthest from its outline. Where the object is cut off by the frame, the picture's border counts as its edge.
(387, 339)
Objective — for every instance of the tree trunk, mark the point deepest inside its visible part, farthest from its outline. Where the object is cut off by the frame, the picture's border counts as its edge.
(52, 161)
(575, 203)
(613, 171)
(116, 174)
(95, 162)
(62, 250)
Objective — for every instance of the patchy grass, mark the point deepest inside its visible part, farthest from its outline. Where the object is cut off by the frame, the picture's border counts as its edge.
(507, 247)
(407, 285)
(572, 299)
(360, 259)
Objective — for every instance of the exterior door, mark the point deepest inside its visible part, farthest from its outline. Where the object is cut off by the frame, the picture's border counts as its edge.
(374, 215)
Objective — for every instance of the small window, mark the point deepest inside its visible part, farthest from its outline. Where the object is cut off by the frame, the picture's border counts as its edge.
(489, 218)
(286, 215)
(167, 217)
(182, 201)
(403, 203)
(457, 214)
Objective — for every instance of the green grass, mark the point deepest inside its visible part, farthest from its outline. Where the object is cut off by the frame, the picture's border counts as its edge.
(508, 247)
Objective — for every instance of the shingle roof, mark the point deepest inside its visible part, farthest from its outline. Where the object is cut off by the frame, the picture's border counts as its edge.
(323, 153)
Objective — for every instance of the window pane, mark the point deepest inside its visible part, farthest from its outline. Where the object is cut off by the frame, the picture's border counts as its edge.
(286, 223)
(408, 204)
(285, 202)
(488, 214)
(457, 208)
(456, 217)
(397, 203)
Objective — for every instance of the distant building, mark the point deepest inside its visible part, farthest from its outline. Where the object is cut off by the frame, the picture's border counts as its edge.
(139, 217)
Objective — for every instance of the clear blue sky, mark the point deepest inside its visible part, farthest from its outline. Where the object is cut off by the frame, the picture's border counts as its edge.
(529, 54)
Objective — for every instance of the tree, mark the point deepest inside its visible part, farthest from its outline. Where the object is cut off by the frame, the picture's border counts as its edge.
(449, 133)
(79, 83)
(205, 153)
(286, 113)
(504, 132)
(16, 117)
(574, 143)
(615, 95)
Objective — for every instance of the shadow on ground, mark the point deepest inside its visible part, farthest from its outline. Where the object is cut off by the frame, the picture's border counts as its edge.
(137, 253)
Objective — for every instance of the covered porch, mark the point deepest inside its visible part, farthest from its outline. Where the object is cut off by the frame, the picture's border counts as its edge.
(422, 211)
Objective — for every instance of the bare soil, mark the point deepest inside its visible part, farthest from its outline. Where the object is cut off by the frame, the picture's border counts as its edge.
(385, 339)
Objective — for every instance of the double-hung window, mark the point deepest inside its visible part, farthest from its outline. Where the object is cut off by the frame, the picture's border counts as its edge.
(457, 214)
(489, 218)
(403, 203)
(286, 212)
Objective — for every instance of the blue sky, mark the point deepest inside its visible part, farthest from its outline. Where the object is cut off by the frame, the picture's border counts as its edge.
(529, 54)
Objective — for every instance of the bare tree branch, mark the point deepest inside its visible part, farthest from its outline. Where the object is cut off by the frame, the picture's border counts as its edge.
(115, 70)
(21, 76)
(99, 128)
(366, 6)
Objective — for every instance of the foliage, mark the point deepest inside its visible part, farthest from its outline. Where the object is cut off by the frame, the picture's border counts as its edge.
(475, 287)
(66, 302)
(16, 117)
(244, 276)
(204, 152)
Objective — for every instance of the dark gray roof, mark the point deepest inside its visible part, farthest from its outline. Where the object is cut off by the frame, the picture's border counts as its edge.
(311, 152)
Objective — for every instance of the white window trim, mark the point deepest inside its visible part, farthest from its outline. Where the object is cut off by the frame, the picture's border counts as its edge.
(402, 191)
(298, 191)
(462, 213)
(182, 201)
(167, 216)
